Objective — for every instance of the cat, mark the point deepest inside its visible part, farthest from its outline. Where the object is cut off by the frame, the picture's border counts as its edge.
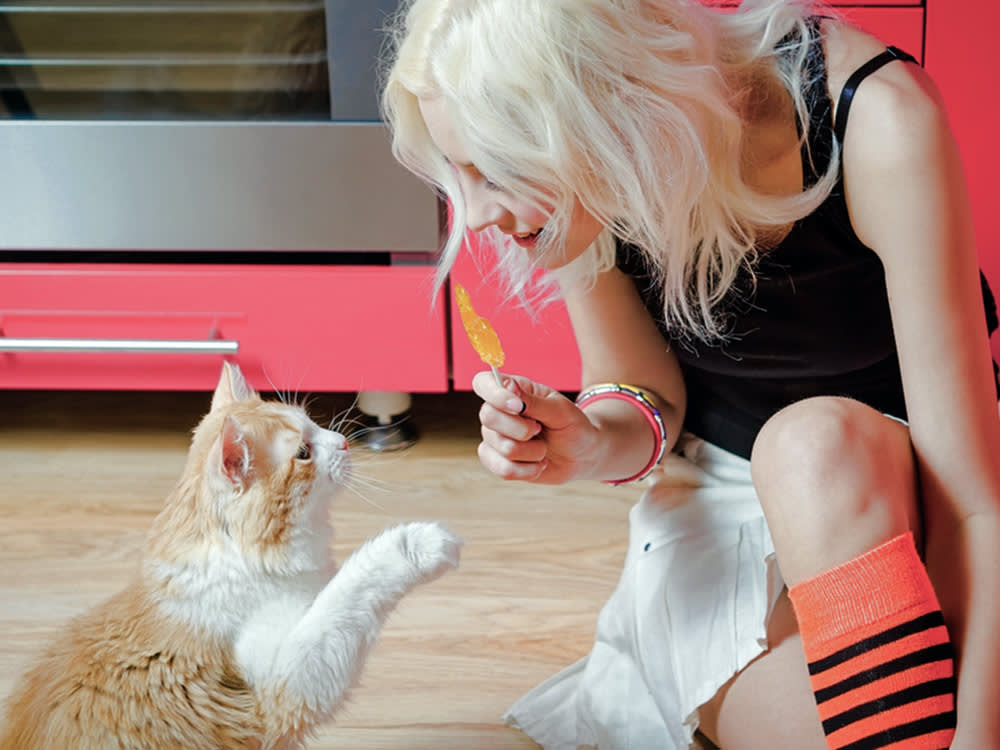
(238, 631)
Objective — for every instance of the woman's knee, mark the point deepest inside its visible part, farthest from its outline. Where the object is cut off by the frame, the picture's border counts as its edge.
(835, 478)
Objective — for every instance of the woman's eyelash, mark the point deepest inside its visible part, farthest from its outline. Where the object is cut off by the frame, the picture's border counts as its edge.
(490, 185)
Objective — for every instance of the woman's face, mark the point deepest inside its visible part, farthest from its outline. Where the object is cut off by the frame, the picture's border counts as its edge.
(488, 205)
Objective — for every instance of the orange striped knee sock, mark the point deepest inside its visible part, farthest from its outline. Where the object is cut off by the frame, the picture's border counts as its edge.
(880, 661)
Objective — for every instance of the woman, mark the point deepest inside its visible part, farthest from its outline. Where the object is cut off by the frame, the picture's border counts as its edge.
(782, 300)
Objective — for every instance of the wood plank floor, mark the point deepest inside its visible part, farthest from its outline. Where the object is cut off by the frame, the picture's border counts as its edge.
(83, 474)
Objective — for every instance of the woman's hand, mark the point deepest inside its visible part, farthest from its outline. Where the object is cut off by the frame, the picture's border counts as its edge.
(531, 432)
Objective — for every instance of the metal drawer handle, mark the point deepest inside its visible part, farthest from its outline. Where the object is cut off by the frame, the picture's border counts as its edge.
(121, 346)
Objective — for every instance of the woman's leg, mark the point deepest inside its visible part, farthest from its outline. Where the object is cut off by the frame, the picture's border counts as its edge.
(836, 479)
(837, 483)
(769, 705)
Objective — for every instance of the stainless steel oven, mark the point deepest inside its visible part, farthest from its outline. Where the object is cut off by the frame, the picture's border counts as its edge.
(200, 127)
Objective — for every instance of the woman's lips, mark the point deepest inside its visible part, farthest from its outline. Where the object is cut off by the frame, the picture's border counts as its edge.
(527, 241)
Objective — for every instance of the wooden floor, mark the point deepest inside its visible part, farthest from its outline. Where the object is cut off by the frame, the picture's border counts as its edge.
(83, 474)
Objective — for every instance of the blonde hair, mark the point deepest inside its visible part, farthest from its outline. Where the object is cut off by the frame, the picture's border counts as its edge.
(631, 106)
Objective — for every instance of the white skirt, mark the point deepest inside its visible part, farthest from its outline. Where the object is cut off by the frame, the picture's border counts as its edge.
(690, 611)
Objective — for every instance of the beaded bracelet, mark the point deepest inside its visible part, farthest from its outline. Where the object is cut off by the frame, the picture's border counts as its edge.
(638, 398)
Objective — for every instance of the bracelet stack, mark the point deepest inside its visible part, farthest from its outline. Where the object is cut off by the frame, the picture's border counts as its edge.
(638, 398)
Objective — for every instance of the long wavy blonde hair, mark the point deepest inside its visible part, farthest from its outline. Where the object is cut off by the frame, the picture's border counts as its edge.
(631, 106)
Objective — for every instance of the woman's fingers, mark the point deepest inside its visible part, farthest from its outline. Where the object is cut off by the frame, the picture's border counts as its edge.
(512, 396)
(506, 467)
(513, 449)
(507, 424)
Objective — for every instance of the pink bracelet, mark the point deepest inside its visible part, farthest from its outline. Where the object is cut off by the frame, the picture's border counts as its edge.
(639, 399)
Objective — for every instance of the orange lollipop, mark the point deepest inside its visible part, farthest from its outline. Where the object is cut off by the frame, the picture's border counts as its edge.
(481, 334)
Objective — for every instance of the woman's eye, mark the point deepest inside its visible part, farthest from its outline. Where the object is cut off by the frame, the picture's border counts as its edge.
(490, 185)
(304, 452)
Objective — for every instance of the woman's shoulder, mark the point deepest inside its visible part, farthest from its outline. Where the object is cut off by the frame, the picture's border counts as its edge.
(895, 113)
(898, 151)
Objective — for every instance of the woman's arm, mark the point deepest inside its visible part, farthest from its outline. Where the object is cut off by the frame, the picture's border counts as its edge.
(908, 200)
(619, 342)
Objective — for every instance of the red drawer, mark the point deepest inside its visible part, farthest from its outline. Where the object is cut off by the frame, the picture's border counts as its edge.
(301, 328)
(541, 347)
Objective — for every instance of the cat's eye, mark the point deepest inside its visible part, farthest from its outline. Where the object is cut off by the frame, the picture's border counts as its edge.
(304, 453)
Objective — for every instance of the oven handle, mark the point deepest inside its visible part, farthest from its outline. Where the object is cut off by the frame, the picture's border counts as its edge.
(119, 346)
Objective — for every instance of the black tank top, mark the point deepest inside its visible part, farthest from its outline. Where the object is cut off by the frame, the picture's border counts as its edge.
(817, 320)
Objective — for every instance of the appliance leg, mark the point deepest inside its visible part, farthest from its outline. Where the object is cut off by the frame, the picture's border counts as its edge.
(387, 420)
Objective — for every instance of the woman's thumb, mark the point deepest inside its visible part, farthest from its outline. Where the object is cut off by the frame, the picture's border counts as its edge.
(542, 403)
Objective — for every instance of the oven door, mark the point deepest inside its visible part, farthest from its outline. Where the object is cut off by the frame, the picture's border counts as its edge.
(201, 125)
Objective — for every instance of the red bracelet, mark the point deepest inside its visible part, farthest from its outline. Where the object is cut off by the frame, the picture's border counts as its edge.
(639, 399)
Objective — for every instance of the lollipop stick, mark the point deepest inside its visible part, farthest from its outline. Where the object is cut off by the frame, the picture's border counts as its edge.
(496, 376)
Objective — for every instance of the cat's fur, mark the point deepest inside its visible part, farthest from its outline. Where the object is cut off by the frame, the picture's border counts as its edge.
(236, 633)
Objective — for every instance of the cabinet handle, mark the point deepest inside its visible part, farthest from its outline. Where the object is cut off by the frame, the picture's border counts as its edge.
(120, 346)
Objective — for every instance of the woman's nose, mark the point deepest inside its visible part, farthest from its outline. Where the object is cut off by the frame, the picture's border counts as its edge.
(482, 211)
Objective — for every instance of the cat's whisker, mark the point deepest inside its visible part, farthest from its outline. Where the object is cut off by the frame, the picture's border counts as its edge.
(357, 492)
(344, 417)
(304, 402)
(364, 429)
(341, 422)
(379, 485)
(376, 485)
(358, 433)
(362, 483)
(380, 460)
(298, 385)
(274, 387)
(345, 420)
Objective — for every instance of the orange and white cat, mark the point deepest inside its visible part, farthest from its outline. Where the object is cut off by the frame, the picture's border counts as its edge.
(238, 632)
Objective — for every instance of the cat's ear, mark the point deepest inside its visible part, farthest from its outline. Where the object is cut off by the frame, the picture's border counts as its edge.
(232, 387)
(234, 456)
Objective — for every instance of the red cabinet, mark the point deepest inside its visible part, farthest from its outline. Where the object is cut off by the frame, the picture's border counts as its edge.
(150, 327)
(961, 55)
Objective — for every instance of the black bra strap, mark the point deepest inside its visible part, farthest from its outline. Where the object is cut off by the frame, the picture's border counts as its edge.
(847, 95)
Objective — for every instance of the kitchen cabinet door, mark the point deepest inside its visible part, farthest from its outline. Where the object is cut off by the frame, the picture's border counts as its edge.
(153, 327)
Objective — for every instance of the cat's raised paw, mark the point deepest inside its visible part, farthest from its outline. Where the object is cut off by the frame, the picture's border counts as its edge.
(431, 548)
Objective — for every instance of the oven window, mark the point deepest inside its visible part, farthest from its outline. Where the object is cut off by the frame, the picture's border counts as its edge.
(284, 60)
